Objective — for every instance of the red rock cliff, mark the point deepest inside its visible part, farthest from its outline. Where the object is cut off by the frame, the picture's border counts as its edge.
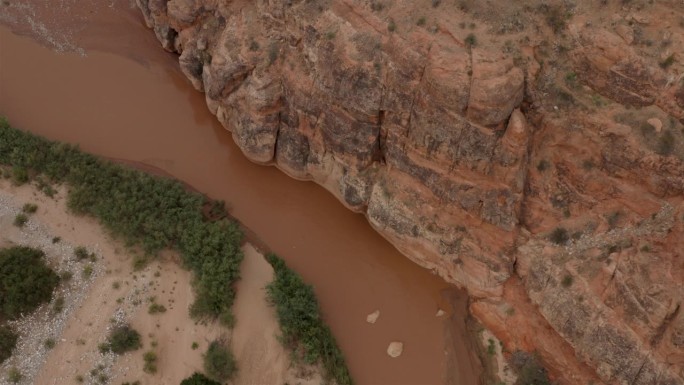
(532, 154)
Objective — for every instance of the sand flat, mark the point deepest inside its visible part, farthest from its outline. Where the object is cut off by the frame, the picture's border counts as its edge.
(116, 294)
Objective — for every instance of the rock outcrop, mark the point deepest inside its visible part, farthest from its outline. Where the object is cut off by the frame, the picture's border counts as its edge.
(507, 149)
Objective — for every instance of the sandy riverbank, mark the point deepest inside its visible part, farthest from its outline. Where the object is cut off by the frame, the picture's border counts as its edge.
(116, 294)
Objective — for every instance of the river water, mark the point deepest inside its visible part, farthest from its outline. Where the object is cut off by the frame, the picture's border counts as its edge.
(126, 99)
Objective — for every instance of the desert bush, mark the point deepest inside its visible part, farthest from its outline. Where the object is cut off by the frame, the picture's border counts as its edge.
(20, 220)
(49, 343)
(559, 236)
(25, 281)
(66, 276)
(123, 339)
(667, 62)
(147, 212)
(87, 271)
(219, 363)
(29, 208)
(8, 340)
(302, 327)
(491, 347)
(14, 375)
(150, 359)
(567, 281)
(199, 379)
(19, 175)
(555, 15)
(470, 40)
(81, 252)
(543, 165)
(529, 369)
(156, 308)
(58, 306)
(666, 143)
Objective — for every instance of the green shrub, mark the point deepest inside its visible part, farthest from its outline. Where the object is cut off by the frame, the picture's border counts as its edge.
(29, 208)
(666, 143)
(123, 339)
(81, 253)
(391, 26)
(567, 281)
(58, 306)
(556, 16)
(302, 327)
(49, 343)
(491, 347)
(19, 175)
(529, 370)
(147, 212)
(150, 359)
(14, 375)
(87, 271)
(20, 220)
(253, 46)
(421, 21)
(613, 219)
(470, 40)
(25, 281)
(219, 363)
(667, 62)
(559, 236)
(156, 308)
(199, 379)
(8, 340)
(543, 165)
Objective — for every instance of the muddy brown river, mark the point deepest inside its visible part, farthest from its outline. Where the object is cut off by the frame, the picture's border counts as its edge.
(126, 99)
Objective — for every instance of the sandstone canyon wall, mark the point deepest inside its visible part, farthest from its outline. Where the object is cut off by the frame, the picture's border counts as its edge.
(531, 153)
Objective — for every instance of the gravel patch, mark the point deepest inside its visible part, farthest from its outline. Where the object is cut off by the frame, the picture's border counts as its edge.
(46, 323)
(43, 324)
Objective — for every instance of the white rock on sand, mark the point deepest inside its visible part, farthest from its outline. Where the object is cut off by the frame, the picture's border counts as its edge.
(395, 349)
(440, 313)
(372, 317)
(656, 123)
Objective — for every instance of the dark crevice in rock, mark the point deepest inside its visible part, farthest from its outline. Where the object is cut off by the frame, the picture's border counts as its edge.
(660, 331)
(277, 137)
(636, 376)
(612, 277)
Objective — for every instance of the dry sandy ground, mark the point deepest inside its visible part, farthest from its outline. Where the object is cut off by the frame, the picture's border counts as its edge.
(116, 294)
(504, 372)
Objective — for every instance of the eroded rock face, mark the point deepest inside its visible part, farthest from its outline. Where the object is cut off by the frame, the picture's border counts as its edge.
(525, 171)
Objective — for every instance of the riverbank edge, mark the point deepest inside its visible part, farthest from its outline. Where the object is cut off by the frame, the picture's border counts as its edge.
(247, 236)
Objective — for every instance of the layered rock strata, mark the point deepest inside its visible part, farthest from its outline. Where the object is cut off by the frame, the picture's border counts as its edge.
(512, 155)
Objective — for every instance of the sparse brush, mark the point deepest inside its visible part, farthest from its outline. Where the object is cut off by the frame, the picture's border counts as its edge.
(20, 220)
(29, 208)
(559, 236)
